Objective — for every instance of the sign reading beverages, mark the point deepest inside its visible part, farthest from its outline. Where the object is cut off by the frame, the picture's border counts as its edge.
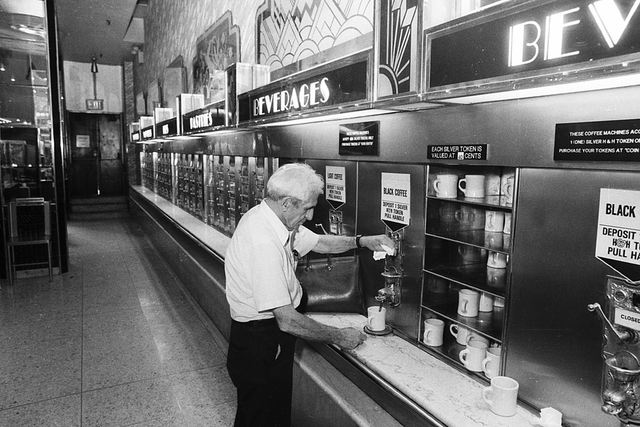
(617, 140)
(618, 238)
(305, 92)
(359, 138)
(395, 200)
(457, 152)
(555, 34)
(335, 183)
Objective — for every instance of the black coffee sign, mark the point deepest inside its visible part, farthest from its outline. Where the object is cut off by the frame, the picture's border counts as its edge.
(359, 139)
(617, 140)
(556, 34)
(333, 87)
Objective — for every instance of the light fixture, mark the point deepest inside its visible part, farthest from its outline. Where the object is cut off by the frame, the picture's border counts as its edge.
(321, 118)
(13, 79)
(2, 68)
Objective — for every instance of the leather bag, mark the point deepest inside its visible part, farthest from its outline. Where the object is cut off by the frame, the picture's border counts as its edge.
(331, 290)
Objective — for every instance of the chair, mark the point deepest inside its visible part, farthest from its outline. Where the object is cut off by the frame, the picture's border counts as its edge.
(29, 224)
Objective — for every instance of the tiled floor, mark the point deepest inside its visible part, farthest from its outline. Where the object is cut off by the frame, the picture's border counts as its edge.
(113, 342)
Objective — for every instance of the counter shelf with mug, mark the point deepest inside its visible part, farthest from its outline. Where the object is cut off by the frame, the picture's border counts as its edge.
(467, 255)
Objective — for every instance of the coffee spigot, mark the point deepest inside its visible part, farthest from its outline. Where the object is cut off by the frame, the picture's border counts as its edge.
(624, 335)
(329, 261)
(392, 288)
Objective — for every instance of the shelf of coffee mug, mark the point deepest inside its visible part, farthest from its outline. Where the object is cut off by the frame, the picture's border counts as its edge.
(489, 324)
(492, 241)
(476, 276)
(493, 202)
(450, 351)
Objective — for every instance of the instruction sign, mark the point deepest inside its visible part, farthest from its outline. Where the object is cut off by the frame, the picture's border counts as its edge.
(395, 209)
(335, 185)
(617, 140)
(359, 139)
(83, 141)
(618, 240)
(457, 152)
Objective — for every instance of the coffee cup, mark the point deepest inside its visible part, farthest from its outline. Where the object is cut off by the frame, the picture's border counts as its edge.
(491, 362)
(507, 223)
(494, 221)
(433, 331)
(437, 285)
(446, 186)
(498, 302)
(468, 301)
(476, 337)
(502, 396)
(493, 239)
(460, 333)
(492, 184)
(496, 277)
(507, 182)
(470, 218)
(472, 186)
(497, 260)
(550, 417)
(472, 356)
(469, 255)
(486, 303)
(376, 316)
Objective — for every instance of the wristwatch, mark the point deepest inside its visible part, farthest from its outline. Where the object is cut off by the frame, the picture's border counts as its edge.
(358, 245)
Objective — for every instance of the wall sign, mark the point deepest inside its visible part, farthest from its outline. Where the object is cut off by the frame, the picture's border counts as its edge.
(335, 186)
(167, 127)
(618, 235)
(555, 34)
(135, 136)
(83, 141)
(95, 104)
(333, 87)
(457, 152)
(617, 140)
(204, 119)
(147, 133)
(359, 139)
(395, 200)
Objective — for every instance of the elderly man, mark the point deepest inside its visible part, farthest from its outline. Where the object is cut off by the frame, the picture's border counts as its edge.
(263, 294)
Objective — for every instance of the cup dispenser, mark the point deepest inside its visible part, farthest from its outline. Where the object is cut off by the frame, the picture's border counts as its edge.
(621, 350)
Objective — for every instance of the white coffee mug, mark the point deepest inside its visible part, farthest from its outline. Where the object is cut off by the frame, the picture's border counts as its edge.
(470, 218)
(497, 260)
(446, 186)
(498, 302)
(491, 362)
(460, 333)
(433, 331)
(502, 396)
(473, 186)
(493, 239)
(496, 277)
(476, 337)
(507, 181)
(437, 285)
(468, 301)
(472, 356)
(469, 255)
(494, 221)
(507, 223)
(376, 318)
(492, 184)
(486, 303)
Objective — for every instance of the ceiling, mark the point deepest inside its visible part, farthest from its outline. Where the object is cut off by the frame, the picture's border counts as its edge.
(106, 29)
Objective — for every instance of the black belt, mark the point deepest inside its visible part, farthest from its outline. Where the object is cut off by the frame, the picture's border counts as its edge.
(251, 324)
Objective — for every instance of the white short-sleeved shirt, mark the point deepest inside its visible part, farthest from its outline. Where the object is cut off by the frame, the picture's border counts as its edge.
(260, 267)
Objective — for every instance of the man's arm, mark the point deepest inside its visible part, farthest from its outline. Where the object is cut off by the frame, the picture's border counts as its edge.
(301, 326)
(331, 244)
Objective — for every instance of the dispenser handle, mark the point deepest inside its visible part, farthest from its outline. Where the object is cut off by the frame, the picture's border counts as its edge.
(621, 335)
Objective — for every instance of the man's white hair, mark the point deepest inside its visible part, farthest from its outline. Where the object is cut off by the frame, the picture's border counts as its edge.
(297, 180)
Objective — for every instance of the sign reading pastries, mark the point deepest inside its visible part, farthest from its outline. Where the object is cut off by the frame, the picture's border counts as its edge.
(616, 140)
(204, 119)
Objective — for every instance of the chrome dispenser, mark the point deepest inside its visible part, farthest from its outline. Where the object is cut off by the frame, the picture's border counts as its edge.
(621, 350)
(393, 273)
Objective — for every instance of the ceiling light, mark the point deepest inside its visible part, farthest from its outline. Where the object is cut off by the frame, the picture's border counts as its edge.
(2, 67)
(13, 79)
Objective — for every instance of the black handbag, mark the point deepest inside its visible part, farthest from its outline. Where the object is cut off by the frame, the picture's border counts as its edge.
(330, 285)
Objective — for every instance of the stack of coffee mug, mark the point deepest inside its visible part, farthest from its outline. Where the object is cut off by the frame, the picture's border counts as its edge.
(498, 187)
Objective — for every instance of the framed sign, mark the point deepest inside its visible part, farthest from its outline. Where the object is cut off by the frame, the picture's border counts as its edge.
(359, 139)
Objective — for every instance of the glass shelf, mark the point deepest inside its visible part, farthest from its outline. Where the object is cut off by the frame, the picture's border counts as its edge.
(488, 324)
(495, 241)
(493, 202)
(478, 276)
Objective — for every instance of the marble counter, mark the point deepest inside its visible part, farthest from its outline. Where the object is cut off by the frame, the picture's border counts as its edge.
(440, 389)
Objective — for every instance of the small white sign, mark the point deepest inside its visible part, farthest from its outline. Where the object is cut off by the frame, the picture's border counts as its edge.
(396, 198)
(335, 184)
(619, 226)
(627, 319)
(83, 141)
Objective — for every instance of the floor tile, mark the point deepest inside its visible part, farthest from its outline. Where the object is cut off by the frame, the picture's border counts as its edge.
(116, 296)
(62, 412)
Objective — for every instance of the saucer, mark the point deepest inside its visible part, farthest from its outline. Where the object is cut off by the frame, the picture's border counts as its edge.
(386, 331)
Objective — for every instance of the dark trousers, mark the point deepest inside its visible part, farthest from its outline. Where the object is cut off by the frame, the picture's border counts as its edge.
(260, 364)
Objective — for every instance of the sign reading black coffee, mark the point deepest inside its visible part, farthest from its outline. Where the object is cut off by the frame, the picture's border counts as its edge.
(167, 128)
(333, 87)
(204, 119)
(617, 140)
(359, 139)
(556, 34)
(457, 152)
(147, 133)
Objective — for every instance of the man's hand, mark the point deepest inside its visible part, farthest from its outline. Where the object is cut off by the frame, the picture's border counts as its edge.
(350, 338)
(375, 242)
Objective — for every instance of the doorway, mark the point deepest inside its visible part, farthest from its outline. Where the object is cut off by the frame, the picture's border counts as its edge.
(96, 155)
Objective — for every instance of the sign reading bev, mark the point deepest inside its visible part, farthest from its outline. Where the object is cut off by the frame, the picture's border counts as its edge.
(359, 139)
(306, 92)
(555, 34)
(204, 119)
(617, 140)
(618, 238)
